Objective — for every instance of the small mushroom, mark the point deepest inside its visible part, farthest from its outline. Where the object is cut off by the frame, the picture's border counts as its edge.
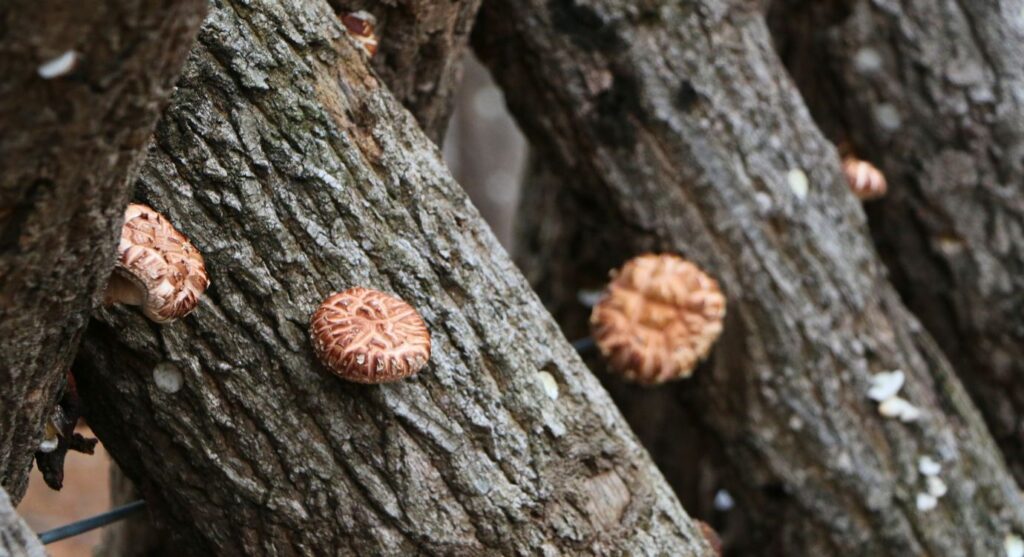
(361, 24)
(866, 181)
(368, 336)
(711, 536)
(658, 319)
(157, 267)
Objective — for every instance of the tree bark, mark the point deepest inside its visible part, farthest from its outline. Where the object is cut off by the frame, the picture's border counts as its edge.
(674, 128)
(931, 92)
(16, 538)
(69, 147)
(422, 43)
(297, 174)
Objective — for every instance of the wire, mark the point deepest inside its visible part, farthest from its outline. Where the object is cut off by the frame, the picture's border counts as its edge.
(583, 345)
(91, 523)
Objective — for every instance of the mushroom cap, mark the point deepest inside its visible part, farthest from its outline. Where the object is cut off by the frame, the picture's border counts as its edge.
(368, 336)
(362, 24)
(161, 263)
(658, 318)
(865, 180)
(711, 536)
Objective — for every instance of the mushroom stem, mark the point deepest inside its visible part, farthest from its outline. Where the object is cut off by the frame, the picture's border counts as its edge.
(123, 290)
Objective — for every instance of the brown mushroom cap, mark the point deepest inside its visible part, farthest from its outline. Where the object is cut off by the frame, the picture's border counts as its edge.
(711, 536)
(361, 24)
(367, 336)
(865, 180)
(157, 267)
(658, 318)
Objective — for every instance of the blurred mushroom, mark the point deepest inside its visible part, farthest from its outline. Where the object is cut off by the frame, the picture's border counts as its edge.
(361, 24)
(367, 336)
(157, 267)
(658, 318)
(711, 536)
(865, 180)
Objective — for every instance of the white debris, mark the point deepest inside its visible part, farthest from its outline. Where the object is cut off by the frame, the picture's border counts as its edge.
(867, 60)
(936, 487)
(798, 182)
(589, 298)
(1013, 545)
(723, 501)
(896, 407)
(167, 377)
(928, 466)
(48, 445)
(926, 502)
(548, 383)
(888, 117)
(58, 66)
(886, 385)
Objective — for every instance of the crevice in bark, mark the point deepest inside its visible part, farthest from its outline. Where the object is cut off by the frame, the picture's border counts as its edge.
(928, 91)
(81, 91)
(679, 126)
(420, 56)
(298, 174)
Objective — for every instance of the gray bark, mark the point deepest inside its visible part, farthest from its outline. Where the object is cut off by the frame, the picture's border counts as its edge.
(298, 174)
(673, 127)
(68, 149)
(420, 54)
(931, 91)
(16, 538)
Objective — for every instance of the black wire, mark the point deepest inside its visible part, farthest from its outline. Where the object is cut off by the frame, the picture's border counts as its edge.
(584, 345)
(91, 523)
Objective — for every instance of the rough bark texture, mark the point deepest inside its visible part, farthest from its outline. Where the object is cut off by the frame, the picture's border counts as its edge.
(674, 128)
(68, 149)
(933, 93)
(297, 174)
(16, 538)
(420, 54)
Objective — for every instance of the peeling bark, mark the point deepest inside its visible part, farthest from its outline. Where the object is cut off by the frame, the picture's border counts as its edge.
(16, 538)
(68, 150)
(931, 91)
(298, 174)
(672, 127)
(420, 56)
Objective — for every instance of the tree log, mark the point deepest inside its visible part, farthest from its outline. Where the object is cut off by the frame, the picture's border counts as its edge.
(82, 89)
(298, 174)
(420, 55)
(673, 127)
(16, 538)
(930, 91)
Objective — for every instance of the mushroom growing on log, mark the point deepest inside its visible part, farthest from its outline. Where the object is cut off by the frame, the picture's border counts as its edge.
(368, 336)
(157, 267)
(658, 318)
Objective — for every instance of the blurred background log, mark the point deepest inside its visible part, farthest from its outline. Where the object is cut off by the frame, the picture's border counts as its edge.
(932, 91)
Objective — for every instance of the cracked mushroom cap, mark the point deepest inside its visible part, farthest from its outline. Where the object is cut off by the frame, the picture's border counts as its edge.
(157, 267)
(865, 180)
(658, 318)
(368, 336)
